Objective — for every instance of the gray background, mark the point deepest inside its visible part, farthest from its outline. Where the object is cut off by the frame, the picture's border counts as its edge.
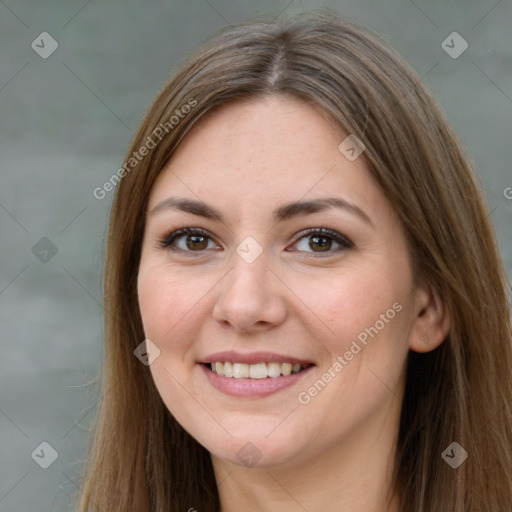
(66, 122)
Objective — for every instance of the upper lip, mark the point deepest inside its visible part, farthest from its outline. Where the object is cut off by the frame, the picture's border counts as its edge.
(253, 358)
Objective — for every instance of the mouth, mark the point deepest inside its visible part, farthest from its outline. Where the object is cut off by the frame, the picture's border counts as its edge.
(253, 375)
(269, 370)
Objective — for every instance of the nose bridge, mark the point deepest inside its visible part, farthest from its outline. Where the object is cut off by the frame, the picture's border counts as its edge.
(250, 272)
(248, 296)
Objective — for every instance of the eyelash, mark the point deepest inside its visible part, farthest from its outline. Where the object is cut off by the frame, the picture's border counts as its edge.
(344, 243)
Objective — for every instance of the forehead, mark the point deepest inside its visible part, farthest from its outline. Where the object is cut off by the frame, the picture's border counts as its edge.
(270, 149)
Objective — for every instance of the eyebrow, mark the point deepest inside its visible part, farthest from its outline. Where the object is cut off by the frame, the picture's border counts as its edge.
(280, 214)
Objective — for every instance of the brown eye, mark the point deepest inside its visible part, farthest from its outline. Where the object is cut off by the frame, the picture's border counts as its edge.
(321, 240)
(196, 242)
(323, 243)
(188, 240)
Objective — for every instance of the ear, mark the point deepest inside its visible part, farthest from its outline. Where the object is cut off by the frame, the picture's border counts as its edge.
(433, 320)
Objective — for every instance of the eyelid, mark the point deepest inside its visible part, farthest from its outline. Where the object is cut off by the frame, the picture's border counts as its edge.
(321, 231)
(344, 241)
(167, 240)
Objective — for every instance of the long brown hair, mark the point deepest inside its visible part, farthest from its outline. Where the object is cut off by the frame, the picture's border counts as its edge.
(140, 458)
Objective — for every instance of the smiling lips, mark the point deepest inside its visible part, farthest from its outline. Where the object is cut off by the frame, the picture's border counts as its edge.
(253, 375)
(255, 371)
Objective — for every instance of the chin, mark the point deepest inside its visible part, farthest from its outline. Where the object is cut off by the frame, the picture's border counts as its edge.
(261, 445)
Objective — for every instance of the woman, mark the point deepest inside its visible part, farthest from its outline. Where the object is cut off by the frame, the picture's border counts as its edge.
(306, 308)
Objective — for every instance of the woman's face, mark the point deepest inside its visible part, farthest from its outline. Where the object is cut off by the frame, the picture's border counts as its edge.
(294, 262)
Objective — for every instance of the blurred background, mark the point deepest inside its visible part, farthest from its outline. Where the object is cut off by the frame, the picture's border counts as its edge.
(76, 78)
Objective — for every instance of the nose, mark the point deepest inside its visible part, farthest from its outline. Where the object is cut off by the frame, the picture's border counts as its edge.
(251, 297)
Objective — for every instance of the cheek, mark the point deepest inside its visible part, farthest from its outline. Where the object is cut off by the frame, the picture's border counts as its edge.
(350, 301)
(368, 328)
(165, 302)
(169, 307)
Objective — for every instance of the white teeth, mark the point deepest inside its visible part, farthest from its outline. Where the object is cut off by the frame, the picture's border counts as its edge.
(255, 371)
(240, 371)
(273, 369)
(286, 368)
(228, 370)
(258, 371)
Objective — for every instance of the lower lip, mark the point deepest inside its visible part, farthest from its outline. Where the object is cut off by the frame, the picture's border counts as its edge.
(252, 388)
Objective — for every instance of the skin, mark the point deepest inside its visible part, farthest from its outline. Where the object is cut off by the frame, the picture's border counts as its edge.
(335, 452)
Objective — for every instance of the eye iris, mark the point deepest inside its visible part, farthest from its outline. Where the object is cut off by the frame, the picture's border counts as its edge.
(322, 242)
(195, 242)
